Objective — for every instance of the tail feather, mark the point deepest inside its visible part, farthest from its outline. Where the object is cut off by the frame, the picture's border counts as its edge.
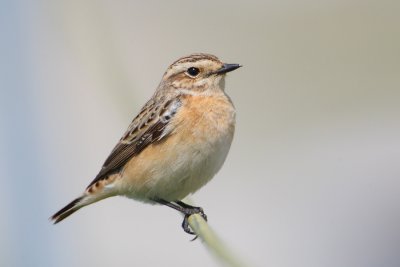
(67, 210)
(98, 191)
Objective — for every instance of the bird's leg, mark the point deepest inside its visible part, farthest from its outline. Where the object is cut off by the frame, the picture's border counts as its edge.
(193, 209)
(187, 210)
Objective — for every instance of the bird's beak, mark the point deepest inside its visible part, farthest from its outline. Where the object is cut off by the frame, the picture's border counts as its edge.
(227, 68)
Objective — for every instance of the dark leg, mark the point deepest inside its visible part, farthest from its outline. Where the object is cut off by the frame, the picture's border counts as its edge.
(169, 204)
(194, 209)
(186, 209)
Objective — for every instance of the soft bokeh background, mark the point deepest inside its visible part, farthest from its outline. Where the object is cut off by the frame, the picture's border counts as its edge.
(313, 176)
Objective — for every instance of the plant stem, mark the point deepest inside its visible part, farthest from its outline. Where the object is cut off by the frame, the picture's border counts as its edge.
(212, 241)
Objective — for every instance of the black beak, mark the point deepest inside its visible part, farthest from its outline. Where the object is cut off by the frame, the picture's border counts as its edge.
(227, 68)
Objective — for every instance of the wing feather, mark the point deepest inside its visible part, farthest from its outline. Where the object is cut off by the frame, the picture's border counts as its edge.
(148, 127)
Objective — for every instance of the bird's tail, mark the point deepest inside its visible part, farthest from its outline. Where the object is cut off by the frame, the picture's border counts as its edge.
(76, 204)
(73, 206)
(93, 193)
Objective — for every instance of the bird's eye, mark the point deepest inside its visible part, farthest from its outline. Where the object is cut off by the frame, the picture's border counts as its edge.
(192, 71)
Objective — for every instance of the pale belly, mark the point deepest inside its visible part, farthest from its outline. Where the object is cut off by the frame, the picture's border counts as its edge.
(195, 166)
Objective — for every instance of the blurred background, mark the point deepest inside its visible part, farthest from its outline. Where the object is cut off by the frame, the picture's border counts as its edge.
(313, 176)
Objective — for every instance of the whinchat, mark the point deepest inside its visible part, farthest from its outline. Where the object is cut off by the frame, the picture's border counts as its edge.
(175, 145)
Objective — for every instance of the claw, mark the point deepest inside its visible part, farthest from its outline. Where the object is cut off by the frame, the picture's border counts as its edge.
(188, 212)
(185, 225)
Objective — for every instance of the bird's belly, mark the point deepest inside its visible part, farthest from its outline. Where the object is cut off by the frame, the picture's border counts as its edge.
(195, 166)
(177, 171)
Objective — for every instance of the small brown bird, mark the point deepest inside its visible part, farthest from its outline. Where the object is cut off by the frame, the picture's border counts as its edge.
(176, 144)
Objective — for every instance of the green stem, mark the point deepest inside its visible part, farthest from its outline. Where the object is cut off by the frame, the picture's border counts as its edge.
(212, 242)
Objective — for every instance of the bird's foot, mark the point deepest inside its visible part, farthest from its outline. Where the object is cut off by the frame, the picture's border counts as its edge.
(188, 211)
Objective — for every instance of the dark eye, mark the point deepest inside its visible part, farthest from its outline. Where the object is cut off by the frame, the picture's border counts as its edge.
(192, 71)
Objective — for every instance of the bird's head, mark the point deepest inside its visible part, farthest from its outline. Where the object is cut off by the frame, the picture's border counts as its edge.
(197, 73)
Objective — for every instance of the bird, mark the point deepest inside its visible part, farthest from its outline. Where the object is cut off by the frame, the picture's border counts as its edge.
(175, 145)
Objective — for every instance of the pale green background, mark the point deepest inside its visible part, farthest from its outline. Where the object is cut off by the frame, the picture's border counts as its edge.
(313, 176)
